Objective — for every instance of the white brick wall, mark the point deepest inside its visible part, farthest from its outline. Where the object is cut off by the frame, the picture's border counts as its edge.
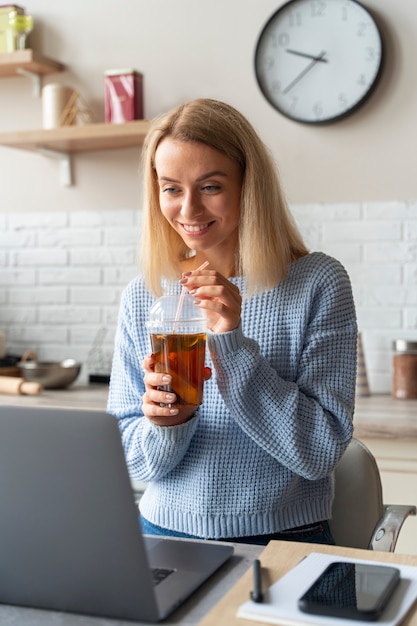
(377, 243)
(61, 275)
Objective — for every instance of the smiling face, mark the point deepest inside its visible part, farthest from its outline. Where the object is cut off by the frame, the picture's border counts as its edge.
(199, 195)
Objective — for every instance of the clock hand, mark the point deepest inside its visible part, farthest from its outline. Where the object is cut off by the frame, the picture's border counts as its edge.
(304, 72)
(308, 56)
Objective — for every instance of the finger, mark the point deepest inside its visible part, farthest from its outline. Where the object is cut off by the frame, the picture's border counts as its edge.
(220, 295)
(161, 398)
(225, 307)
(192, 280)
(159, 403)
(148, 363)
(166, 416)
(155, 379)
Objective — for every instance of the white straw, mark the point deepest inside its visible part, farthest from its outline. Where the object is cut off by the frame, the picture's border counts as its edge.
(182, 296)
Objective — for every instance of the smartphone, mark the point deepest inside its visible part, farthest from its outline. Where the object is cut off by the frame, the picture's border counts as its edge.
(351, 590)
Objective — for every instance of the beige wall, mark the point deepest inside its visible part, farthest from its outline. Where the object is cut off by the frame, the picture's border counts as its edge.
(189, 49)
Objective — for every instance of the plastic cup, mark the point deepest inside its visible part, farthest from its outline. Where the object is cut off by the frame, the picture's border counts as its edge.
(178, 338)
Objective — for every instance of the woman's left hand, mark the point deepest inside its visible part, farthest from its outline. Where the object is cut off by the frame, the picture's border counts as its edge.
(217, 296)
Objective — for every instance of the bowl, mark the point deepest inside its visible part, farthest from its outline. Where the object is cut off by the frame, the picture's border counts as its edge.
(50, 374)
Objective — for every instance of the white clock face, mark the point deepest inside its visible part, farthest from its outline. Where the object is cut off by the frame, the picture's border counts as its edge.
(317, 60)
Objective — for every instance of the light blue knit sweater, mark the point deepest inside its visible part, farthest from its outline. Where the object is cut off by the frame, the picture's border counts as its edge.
(257, 456)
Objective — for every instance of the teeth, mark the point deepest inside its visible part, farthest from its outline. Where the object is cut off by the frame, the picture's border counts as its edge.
(194, 228)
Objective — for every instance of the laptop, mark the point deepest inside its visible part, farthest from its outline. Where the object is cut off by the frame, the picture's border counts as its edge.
(70, 536)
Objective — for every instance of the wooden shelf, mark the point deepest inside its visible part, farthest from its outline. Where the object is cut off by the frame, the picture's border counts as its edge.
(86, 138)
(62, 142)
(12, 63)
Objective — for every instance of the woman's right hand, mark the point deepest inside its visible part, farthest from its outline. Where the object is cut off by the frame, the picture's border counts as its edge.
(217, 295)
(158, 405)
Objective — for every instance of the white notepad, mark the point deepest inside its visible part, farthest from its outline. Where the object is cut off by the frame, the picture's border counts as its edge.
(280, 600)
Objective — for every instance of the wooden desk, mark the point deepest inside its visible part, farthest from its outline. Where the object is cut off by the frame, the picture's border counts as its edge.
(277, 559)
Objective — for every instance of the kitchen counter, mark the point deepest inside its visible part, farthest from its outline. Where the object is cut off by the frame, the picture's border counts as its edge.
(381, 416)
(78, 396)
(376, 416)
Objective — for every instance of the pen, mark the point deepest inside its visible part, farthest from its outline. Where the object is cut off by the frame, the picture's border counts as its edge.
(256, 594)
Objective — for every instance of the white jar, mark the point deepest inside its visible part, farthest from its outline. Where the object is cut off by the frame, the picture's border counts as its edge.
(59, 106)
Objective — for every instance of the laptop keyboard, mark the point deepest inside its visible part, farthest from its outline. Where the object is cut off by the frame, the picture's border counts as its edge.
(159, 574)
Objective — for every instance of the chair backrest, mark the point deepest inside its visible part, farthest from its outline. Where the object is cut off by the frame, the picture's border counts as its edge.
(358, 504)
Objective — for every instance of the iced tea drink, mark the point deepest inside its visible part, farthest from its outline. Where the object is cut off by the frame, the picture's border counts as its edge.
(178, 340)
(182, 356)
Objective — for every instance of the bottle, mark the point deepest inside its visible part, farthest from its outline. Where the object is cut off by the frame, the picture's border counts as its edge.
(404, 369)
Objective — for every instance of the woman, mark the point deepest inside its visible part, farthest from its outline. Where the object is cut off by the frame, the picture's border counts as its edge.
(255, 460)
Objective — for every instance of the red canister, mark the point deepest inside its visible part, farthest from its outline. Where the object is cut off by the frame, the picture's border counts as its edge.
(123, 96)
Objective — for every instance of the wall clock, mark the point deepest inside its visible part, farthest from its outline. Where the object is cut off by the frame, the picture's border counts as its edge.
(317, 61)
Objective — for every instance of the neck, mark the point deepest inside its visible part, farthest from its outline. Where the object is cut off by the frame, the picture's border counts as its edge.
(223, 266)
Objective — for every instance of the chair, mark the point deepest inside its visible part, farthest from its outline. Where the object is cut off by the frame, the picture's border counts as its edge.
(359, 518)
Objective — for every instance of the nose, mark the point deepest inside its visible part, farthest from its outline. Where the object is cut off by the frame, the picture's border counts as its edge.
(191, 206)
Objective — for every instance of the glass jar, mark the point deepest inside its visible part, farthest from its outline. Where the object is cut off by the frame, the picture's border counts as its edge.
(59, 106)
(404, 369)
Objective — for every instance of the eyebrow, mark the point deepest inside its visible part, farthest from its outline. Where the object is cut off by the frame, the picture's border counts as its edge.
(199, 179)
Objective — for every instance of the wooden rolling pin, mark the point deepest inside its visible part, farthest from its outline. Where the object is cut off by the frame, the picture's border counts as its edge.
(15, 386)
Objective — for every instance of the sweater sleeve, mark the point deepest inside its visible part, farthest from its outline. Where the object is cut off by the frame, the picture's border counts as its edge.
(302, 419)
(151, 451)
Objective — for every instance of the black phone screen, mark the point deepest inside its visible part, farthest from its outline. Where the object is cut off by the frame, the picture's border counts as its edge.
(351, 590)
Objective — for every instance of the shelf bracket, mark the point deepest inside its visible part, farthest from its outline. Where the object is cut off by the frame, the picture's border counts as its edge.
(34, 78)
(65, 165)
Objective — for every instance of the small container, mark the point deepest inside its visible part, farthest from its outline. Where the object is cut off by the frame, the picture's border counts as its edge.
(59, 106)
(20, 26)
(404, 369)
(7, 39)
(123, 92)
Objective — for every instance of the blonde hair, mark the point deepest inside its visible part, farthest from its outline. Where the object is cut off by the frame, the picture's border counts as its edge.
(268, 237)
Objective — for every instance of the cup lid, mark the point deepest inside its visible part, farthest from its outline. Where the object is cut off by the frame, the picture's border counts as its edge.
(176, 310)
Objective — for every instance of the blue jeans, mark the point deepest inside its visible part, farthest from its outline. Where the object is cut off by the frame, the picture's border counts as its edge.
(317, 532)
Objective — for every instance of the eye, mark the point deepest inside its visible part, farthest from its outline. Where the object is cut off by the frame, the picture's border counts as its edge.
(169, 190)
(211, 188)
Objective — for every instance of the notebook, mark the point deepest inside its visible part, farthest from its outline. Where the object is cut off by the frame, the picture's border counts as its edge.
(70, 536)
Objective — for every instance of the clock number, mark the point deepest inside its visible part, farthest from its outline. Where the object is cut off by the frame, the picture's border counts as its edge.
(279, 39)
(362, 79)
(283, 39)
(318, 110)
(273, 38)
(362, 29)
(294, 102)
(343, 101)
(370, 54)
(276, 86)
(294, 19)
(318, 8)
(268, 63)
(344, 14)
